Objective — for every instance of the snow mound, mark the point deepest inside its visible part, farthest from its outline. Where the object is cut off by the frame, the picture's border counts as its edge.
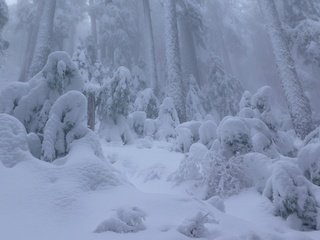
(195, 227)
(127, 220)
(13, 141)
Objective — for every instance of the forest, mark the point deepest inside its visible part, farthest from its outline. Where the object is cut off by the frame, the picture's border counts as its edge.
(160, 119)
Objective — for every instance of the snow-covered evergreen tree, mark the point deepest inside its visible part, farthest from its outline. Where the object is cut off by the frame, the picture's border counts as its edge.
(292, 196)
(146, 101)
(82, 61)
(167, 120)
(223, 92)
(66, 123)
(301, 21)
(117, 32)
(4, 16)
(174, 72)
(298, 103)
(31, 102)
(115, 96)
(194, 101)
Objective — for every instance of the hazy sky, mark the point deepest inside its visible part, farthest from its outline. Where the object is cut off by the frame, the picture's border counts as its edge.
(11, 1)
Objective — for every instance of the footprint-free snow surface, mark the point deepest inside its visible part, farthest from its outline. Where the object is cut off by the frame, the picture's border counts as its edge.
(39, 201)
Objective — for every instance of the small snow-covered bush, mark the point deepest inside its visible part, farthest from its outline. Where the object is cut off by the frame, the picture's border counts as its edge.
(309, 162)
(245, 101)
(192, 166)
(67, 122)
(208, 133)
(183, 140)
(262, 137)
(119, 132)
(155, 172)
(292, 197)
(167, 120)
(234, 136)
(261, 100)
(150, 128)
(247, 113)
(195, 227)
(13, 141)
(126, 221)
(193, 126)
(224, 177)
(146, 101)
(137, 122)
(11, 96)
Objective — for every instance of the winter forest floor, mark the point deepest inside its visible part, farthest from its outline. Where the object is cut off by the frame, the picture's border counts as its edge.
(35, 206)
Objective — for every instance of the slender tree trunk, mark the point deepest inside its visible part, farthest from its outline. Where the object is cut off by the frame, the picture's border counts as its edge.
(91, 95)
(44, 38)
(93, 20)
(71, 39)
(91, 110)
(188, 55)
(31, 43)
(221, 38)
(298, 103)
(151, 48)
(174, 73)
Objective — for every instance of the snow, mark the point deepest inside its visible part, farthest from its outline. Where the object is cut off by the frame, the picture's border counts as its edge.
(59, 202)
(176, 153)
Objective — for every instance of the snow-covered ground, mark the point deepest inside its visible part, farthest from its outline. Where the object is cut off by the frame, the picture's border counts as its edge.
(43, 201)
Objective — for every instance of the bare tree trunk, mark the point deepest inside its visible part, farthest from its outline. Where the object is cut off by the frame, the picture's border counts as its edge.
(151, 48)
(174, 73)
(70, 41)
(221, 38)
(44, 38)
(188, 55)
(298, 103)
(31, 43)
(91, 110)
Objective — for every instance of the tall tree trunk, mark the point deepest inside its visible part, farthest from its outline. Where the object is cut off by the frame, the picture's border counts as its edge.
(152, 67)
(31, 43)
(93, 21)
(44, 38)
(188, 55)
(174, 73)
(220, 34)
(70, 41)
(91, 110)
(298, 103)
